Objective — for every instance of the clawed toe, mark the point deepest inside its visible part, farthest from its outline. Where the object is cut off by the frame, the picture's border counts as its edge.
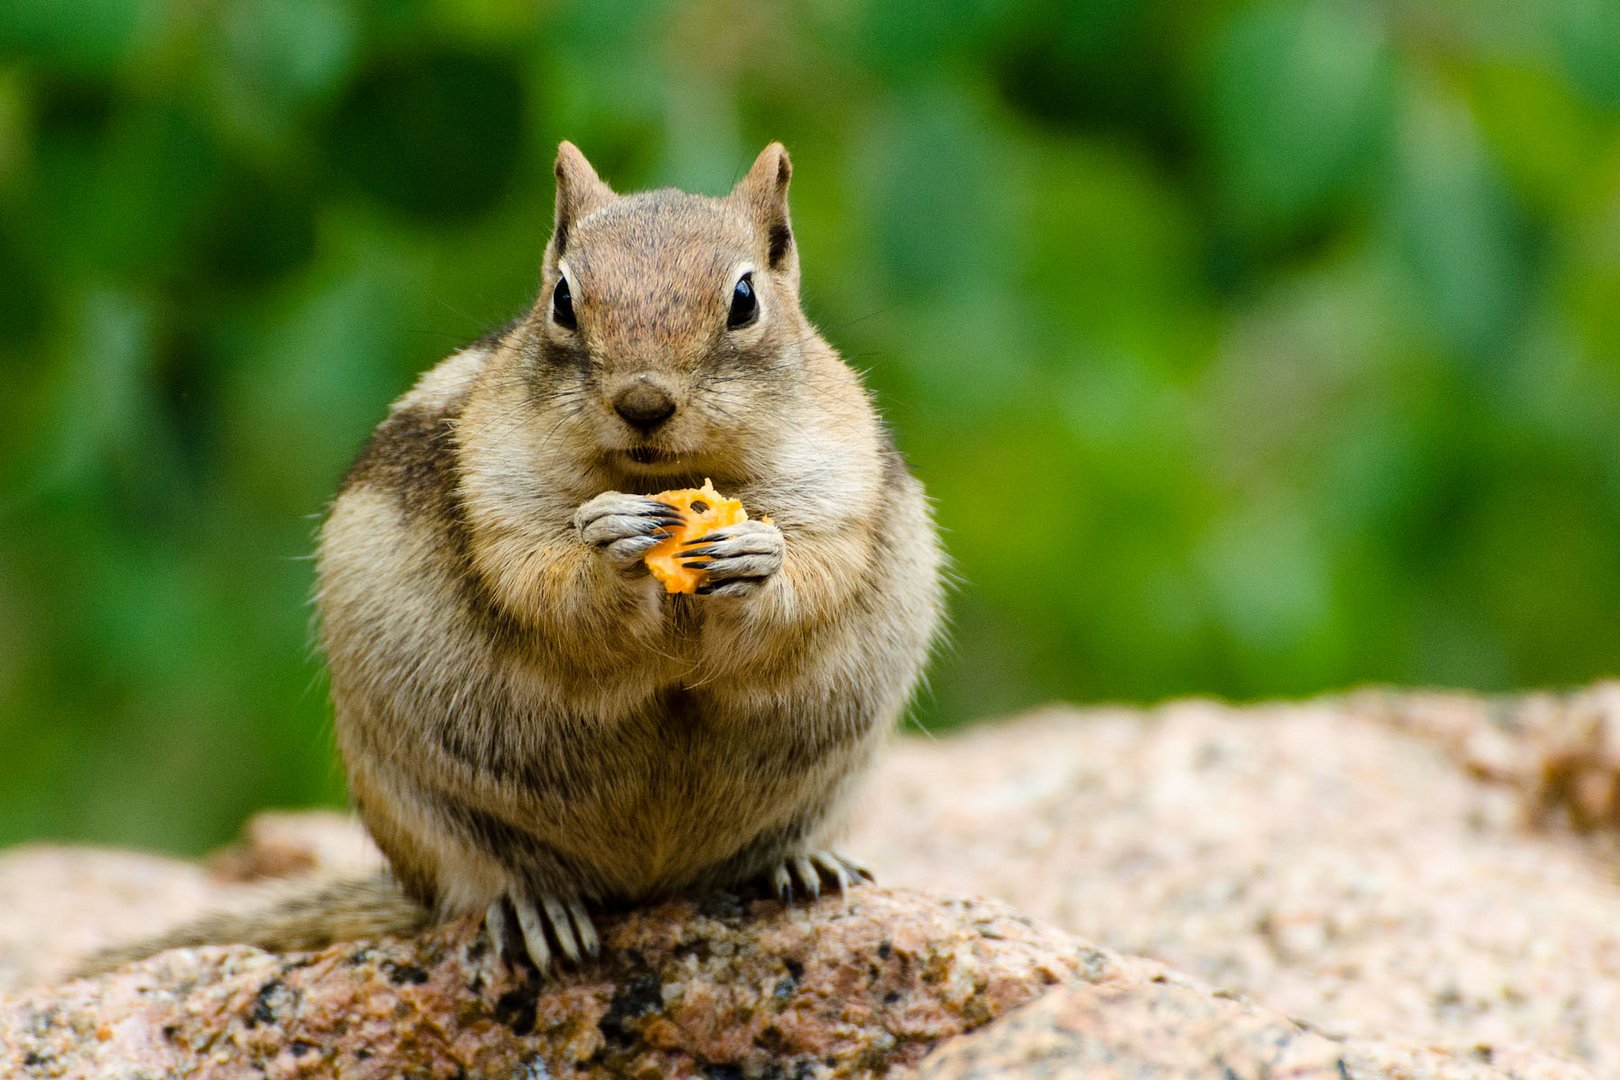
(499, 928)
(532, 923)
(808, 874)
(808, 877)
(588, 941)
(833, 868)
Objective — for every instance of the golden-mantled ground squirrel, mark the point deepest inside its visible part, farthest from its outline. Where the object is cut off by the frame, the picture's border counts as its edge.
(531, 725)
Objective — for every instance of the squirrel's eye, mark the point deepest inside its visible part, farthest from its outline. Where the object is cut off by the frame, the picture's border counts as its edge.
(562, 305)
(744, 306)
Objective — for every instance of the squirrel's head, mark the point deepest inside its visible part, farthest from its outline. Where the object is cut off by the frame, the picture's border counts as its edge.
(668, 324)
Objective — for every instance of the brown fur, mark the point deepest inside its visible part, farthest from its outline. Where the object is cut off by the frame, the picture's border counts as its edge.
(522, 718)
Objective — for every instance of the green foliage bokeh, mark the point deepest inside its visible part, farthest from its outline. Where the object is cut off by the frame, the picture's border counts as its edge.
(1248, 348)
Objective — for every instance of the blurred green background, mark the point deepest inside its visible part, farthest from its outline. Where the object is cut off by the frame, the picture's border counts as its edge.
(1249, 348)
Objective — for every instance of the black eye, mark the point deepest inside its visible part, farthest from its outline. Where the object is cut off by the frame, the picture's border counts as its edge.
(562, 306)
(744, 306)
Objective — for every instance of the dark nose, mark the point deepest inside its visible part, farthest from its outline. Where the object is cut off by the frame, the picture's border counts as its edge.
(644, 405)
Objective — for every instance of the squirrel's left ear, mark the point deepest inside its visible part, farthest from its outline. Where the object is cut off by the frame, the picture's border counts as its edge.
(579, 191)
(762, 195)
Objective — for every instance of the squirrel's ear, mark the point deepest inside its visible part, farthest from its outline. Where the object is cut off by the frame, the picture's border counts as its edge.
(763, 196)
(579, 191)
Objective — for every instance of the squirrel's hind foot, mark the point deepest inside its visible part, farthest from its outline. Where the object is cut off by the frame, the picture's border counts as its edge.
(543, 928)
(807, 873)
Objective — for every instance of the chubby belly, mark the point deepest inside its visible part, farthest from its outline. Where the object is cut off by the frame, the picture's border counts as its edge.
(664, 799)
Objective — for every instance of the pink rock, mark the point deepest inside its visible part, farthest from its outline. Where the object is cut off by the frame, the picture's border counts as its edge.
(1340, 860)
(1392, 868)
(745, 986)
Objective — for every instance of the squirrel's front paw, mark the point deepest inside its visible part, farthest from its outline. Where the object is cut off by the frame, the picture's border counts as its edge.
(738, 558)
(624, 527)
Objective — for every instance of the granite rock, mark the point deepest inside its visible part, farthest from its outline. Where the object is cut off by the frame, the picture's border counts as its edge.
(845, 987)
(1389, 867)
(1138, 1021)
(1559, 753)
(1382, 885)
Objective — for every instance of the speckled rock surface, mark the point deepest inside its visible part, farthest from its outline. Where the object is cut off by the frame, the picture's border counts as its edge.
(59, 903)
(867, 985)
(1384, 866)
(1426, 879)
(846, 987)
(1559, 752)
(1131, 1020)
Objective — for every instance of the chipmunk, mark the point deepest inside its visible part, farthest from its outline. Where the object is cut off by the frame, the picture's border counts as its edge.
(531, 726)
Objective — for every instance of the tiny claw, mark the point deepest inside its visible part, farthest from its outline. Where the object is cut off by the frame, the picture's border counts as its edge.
(834, 868)
(697, 564)
(589, 943)
(782, 882)
(692, 552)
(534, 935)
(808, 876)
(498, 928)
(561, 928)
(736, 584)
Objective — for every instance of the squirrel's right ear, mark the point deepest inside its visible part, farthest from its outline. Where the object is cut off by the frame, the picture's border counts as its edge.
(579, 191)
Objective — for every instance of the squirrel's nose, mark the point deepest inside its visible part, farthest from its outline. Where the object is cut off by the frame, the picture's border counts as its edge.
(644, 405)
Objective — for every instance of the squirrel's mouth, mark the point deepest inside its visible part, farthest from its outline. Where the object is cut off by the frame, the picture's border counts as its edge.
(648, 462)
(650, 455)
(647, 469)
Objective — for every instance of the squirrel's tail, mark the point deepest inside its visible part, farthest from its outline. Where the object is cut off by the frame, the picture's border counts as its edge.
(302, 915)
